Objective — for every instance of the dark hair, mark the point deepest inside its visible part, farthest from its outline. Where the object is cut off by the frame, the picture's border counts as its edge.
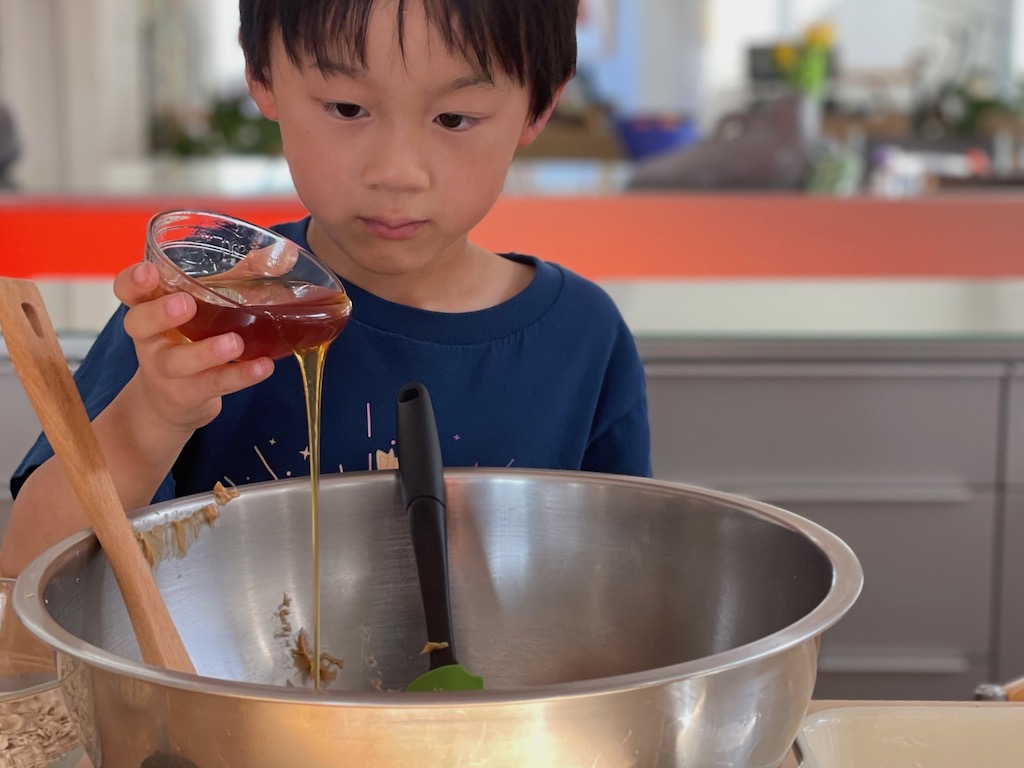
(533, 41)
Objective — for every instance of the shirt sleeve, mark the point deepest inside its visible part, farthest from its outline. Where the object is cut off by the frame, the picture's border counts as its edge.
(624, 447)
(621, 443)
(107, 367)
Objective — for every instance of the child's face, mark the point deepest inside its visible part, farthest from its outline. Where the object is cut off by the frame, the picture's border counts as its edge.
(396, 161)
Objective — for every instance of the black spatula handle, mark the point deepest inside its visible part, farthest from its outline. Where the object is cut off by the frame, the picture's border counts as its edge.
(420, 470)
(420, 466)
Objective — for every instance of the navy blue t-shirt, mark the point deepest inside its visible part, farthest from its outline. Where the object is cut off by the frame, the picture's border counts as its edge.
(550, 379)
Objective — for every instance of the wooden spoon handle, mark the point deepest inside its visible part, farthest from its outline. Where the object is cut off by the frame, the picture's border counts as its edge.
(39, 362)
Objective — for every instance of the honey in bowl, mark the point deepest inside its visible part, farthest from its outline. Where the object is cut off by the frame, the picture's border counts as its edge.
(274, 317)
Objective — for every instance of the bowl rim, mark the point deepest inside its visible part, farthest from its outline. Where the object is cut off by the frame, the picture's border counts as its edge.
(152, 247)
(843, 592)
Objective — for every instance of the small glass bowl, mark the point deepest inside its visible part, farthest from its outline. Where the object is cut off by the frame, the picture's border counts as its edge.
(270, 291)
(36, 728)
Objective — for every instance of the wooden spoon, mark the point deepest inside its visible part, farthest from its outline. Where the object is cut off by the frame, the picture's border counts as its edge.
(39, 362)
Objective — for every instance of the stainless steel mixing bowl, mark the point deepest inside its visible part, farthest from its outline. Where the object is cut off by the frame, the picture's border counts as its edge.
(616, 622)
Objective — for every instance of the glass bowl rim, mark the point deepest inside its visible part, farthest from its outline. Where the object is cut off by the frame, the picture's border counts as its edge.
(7, 697)
(196, 285)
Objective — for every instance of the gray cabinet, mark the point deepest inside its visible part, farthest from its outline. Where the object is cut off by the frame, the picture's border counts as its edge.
(904, 461)
(18, 428)
(814, 423)
(922, 627)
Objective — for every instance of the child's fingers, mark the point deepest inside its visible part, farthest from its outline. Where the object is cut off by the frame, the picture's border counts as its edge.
(136, 283)
(207, 368)
(152, 318)
(183, 398)
(182, 381)
(181, 360)
(233, 377)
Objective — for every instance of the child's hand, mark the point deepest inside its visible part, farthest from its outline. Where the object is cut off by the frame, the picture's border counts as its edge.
(180, 382)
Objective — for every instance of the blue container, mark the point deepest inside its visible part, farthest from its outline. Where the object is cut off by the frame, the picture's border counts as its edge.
(645, 136)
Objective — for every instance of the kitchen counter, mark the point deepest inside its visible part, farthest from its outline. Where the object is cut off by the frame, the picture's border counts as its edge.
(891, 318)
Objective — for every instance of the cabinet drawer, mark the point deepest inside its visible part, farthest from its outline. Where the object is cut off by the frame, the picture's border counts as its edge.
(888, 423)
(928, 578)
(1009, 664)
(934, 686)
(921, 628)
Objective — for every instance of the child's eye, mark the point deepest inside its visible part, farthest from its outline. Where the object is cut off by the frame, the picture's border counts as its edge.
(455, 122)
(342, 109)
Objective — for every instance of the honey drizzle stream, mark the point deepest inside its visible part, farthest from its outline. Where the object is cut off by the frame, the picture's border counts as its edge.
(311, 363)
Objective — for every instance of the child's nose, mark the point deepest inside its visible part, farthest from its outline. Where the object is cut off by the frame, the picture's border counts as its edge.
(397, 161)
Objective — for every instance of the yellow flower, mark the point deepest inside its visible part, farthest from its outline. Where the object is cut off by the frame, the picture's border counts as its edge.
(821, 35)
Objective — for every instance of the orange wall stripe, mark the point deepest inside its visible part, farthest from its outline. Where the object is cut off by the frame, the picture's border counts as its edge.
(604, 238)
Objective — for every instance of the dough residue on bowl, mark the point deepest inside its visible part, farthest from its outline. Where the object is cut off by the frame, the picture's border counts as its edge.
(173, 538)
(300, 648)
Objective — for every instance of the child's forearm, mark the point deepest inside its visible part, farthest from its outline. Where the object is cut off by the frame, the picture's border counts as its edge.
(139, 453)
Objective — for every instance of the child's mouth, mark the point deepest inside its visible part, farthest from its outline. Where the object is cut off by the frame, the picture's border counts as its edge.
(393, 229)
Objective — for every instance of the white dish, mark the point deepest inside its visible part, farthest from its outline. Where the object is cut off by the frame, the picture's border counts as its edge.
(941, 736)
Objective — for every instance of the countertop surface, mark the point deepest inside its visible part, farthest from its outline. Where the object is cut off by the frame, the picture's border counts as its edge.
(885, 318)
(865, 309)
(835, 318)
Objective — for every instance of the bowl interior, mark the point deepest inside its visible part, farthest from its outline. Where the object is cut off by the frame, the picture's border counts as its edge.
(555, 578)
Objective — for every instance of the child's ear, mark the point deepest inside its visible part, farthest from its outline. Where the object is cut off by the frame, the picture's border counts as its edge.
(533, 128)
(263, 94)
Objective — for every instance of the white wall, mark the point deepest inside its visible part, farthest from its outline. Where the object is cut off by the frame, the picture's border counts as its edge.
(735, 26)
(70, 71)
(989, 25)
(226, 63)
(83, 76)
(31, 87)
(876, 35)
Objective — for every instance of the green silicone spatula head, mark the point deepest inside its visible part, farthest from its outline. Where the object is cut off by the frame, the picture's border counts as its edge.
(422, 479)
(451, 677)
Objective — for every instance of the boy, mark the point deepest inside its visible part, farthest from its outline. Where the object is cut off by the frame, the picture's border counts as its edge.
(400, 119)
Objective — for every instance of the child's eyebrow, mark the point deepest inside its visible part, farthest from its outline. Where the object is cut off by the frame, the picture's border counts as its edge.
(475, 80)
(339, 67)
(356, 72)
